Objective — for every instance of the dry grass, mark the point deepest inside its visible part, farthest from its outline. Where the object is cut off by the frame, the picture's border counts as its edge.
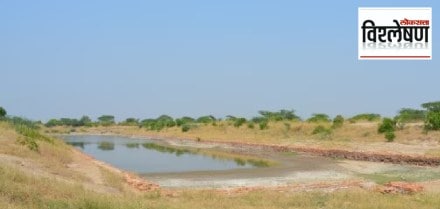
(357, 136)
(20, 189)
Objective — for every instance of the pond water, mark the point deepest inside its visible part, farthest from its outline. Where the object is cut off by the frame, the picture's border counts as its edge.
(145, 156)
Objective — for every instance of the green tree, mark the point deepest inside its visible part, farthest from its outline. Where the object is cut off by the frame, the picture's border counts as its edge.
(184, 120)
(387, 125)
(130, 122)
(206, 119)
(370, 117)
(280, 115)
(432, 121)
(407, 115)
(85, 121)
(239, 121)
(2, 112)
(53, 122)
(106, 120)
(338, 121)
(319, 117)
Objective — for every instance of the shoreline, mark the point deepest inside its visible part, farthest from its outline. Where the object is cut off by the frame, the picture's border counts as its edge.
(388, 157)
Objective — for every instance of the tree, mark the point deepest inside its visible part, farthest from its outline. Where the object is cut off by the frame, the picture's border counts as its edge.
(365, 117)
(432, 121)
(239, 121)
(206, 119)
(338, 121)
(406, 115)
(388, 126)
(184, 120)
(106, 120)
(280, 115)
(53, 122)
(85, 121)
(432, 106)
(2, 112)
(319, 117)
(130, 122)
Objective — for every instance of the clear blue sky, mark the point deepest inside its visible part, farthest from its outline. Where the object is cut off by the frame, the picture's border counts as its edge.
(144, 58)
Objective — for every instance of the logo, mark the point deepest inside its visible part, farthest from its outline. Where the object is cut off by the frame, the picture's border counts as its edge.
(394, 33)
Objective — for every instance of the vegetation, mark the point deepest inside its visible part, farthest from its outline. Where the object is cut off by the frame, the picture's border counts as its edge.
(106, 120)
(322, 132)
(2, 112)
(130, 122)
(338, 122)
(388, 126)
(432, 121)
(370, 117)
(280, 115)
(319, 118)
(408, 115)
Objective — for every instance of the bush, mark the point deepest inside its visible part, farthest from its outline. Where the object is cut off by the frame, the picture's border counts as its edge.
(407, 115)
(239, 121)
(186, 127)
(107, 120)
(263, 125)
(432, 121)
(319, 117)
(2, 112)
(370, 117)
(338, 121)
(387, 125)
(390, 136)
(280, 115)
(322, 131)
(206, 119)
(251, 125)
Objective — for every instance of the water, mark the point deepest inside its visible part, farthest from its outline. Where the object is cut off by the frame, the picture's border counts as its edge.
(144, 156)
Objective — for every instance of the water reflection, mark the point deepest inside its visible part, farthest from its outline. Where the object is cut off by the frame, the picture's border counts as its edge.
(166, 149)
(132, 145)
(146, 156)
(106, 146)
(77, 144)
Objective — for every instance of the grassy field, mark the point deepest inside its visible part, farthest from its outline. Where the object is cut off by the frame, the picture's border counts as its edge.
(412, 139)
(47, 179)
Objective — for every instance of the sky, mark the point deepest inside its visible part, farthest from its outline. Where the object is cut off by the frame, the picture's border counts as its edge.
(190, 58)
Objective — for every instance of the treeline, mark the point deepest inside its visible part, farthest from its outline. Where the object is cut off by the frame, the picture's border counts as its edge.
(429, 115)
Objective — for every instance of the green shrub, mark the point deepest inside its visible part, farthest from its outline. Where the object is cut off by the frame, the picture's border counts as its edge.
(323, 132)
(407, 115)
(107, 120)
(432, 121)
(280, 115)
(338, 121)
(186, 127)
(239, 121)
(263, 125)
(387, 125)
(251, 125)
(319, 117)
(206, 119)
(2, 112)
(370, 117)
(184, 120)
(390, 136)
